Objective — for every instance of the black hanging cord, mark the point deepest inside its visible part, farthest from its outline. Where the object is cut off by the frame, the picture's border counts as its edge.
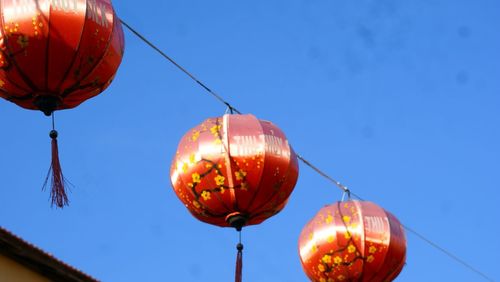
(217, 96)
(338, 184)
(54, 131)
(448, 253)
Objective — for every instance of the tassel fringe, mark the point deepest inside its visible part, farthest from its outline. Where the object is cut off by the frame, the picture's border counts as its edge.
(57, 181)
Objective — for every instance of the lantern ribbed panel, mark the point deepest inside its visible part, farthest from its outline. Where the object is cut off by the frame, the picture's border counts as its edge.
(67, 49)
(235, 164)
(352, 241)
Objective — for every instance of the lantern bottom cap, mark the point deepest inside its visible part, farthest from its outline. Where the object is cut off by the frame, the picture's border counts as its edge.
(237, 220)
(47, 103)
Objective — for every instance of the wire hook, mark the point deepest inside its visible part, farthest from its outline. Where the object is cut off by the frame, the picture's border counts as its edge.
(229, 108)
(346, 192)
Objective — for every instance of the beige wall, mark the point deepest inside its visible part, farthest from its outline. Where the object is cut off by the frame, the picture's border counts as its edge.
(11, 271)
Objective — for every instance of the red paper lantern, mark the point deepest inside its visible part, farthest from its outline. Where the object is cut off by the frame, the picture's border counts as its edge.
(234, 170)
(55, 54)
(352, 241)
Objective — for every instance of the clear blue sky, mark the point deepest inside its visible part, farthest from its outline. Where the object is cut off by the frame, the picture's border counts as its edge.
(399, 100)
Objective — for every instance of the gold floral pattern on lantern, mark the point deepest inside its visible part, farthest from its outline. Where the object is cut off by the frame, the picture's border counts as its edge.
(212, 168)
(219, 180)
(206, 195)
(196, 177)
(192, 159)
(327, 259)
(344, 239)
(221, 162)
(240, 175)
(195, 136)
(196, 204)
(23, 41)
